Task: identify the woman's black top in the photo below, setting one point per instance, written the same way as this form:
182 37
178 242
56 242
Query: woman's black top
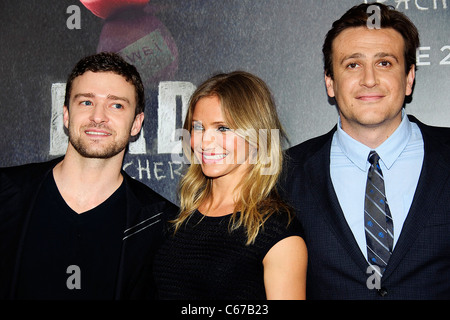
205 260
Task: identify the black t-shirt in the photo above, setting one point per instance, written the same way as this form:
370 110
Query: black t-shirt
204 260
68 255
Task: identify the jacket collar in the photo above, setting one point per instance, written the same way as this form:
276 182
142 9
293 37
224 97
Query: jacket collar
319 178
435 171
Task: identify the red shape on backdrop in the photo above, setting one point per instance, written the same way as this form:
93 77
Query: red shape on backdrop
134 32
105 9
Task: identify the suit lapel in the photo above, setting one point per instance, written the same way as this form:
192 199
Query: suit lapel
432 178
318 168
30 191
133 216
142 235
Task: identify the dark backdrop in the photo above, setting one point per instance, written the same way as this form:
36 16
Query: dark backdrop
176 44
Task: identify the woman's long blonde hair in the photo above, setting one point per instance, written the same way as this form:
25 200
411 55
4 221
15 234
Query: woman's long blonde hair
248 106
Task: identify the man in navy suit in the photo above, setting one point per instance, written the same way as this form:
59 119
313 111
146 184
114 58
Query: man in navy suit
369 71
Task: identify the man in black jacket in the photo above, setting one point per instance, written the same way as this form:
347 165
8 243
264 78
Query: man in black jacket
79 227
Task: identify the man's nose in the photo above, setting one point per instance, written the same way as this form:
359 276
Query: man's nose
99 114
369 77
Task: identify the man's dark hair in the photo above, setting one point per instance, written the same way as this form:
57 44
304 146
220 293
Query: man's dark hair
108 62
389 18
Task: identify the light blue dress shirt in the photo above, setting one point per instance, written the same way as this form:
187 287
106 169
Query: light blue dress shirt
401 158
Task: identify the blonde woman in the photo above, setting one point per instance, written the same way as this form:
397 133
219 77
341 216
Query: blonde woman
234 238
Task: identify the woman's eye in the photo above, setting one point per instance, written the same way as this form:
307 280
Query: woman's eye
223 129
197 126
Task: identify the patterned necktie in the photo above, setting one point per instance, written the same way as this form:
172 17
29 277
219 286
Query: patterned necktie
377 217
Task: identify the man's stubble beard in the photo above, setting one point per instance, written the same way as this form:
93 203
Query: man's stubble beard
88 149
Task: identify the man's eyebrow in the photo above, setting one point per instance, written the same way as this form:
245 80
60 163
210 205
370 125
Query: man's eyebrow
361 55
352 56
92 95
113 97
84 95
386 54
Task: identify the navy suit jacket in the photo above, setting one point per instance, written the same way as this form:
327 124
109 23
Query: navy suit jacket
419 267
145 218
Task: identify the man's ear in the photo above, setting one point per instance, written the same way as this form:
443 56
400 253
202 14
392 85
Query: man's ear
329 85
66 116
137 124
410 79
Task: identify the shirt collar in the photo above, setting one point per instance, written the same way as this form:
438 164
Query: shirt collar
388 151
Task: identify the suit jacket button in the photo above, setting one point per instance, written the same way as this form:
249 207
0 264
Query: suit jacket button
382 292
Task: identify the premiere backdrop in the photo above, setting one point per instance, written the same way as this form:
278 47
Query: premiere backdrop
177 44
